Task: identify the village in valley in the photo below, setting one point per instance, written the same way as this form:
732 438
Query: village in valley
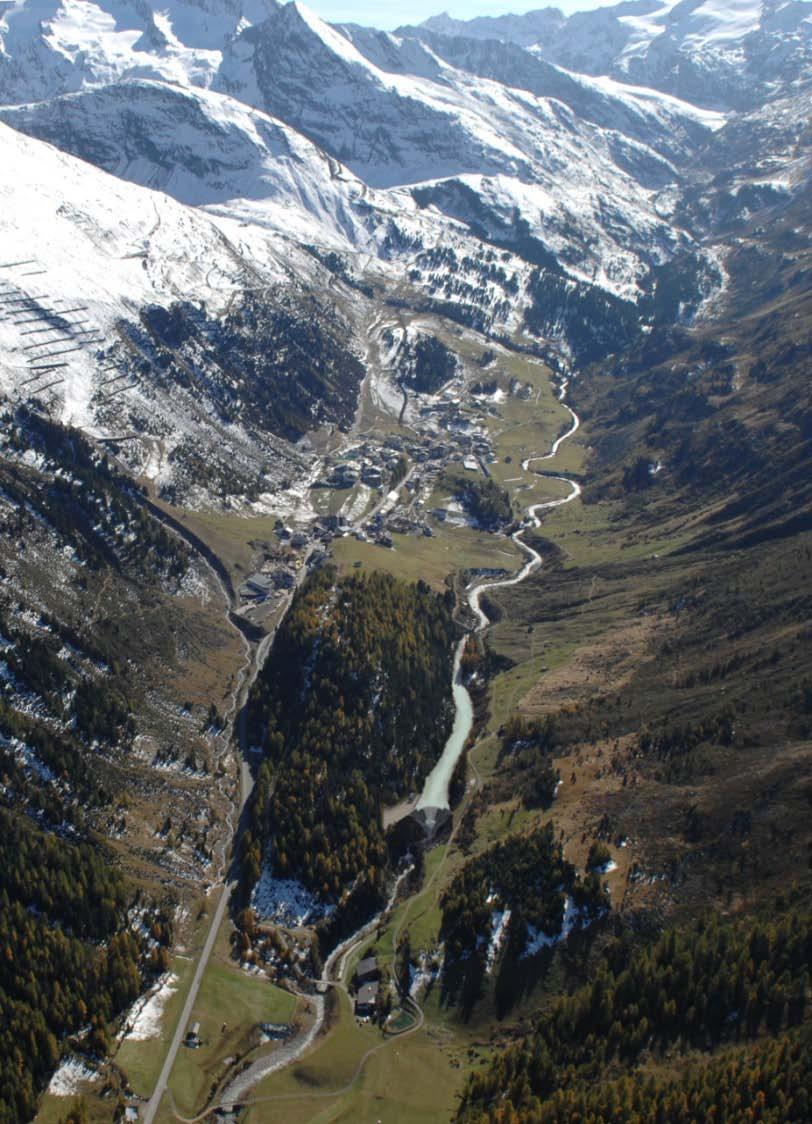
396 480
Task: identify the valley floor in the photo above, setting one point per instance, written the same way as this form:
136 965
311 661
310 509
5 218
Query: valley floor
594 626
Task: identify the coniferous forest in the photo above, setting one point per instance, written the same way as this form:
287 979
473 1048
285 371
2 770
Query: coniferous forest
720 987
69 961
527 878
352 711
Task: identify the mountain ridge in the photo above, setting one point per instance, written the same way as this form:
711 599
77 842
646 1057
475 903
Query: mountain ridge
721 55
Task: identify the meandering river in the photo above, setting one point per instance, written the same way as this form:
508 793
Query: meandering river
435 790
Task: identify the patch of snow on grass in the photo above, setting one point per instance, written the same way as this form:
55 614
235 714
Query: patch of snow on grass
355 506
500 920
144 1019
421 976
68 1080
387 397
537 939
31 762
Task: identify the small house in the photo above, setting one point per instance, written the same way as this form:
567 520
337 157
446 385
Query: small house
333 522
367 970
257 587
366 1000
283 579
372 476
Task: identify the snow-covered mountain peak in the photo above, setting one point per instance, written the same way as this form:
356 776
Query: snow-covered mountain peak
698 25
52 47
319 27
324 133
524 30
55 46
378 56
210 23
716 53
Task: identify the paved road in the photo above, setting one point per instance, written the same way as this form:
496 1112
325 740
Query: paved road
236 715
246 784
188 1006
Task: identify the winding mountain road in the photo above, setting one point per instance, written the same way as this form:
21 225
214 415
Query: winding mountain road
332 976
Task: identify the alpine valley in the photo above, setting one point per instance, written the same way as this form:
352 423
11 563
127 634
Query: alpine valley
405 564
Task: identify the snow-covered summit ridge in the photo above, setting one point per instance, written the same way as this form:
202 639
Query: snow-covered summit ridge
328 134
51 47
717 53
526 30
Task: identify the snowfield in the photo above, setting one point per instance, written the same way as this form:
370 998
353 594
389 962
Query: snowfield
255 169
210 153
286 901
82 250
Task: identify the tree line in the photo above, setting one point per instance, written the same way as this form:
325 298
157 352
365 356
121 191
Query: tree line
90 504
